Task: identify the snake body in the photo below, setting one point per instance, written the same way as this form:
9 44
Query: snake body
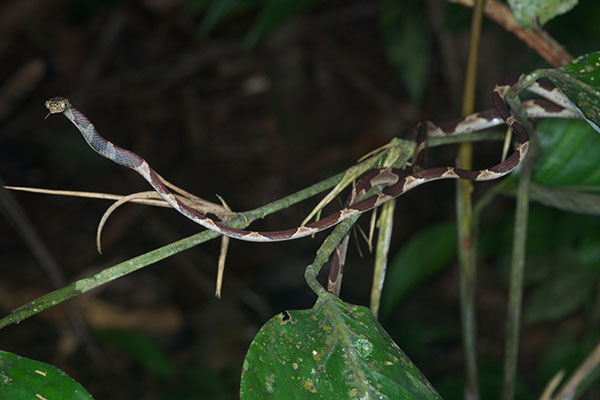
397 181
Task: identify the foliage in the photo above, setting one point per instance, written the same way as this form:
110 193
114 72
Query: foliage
337 348
535 13
334 349
23 379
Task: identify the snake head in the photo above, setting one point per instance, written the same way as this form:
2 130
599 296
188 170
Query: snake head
57 105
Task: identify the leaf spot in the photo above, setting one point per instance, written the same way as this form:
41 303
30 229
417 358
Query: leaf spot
363 347
285 318
270 383
308 385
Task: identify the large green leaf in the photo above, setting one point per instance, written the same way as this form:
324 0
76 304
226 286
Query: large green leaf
25 379
406 38
566 171
567 165
563 199
580 82
535 13
424 254
568 155
333 351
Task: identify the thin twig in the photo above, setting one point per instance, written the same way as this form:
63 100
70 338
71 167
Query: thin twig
108 275
222 255
112 208
543 44
157 201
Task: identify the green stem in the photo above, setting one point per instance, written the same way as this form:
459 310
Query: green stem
384 238
242 220
329 245
466 253
324 253
466 137
515 295
85 285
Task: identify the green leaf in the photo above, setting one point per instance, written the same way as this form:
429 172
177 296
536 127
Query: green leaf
333 351
566 171
141 348
273 13
568 155
560 295
423 255
406 37
25 379
535 13
563 199
580 82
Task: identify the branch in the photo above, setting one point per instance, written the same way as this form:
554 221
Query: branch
540 41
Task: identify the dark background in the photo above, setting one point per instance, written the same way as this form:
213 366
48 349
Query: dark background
252 123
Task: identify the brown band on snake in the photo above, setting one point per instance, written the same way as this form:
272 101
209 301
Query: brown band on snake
404 181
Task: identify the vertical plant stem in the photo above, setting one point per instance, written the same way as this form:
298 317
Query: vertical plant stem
385 225
324 252
515 294
464 218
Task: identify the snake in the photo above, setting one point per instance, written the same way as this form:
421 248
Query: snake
395 181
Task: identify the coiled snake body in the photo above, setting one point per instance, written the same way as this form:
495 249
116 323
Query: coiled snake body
398 181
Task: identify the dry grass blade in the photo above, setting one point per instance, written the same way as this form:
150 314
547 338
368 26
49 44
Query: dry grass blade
346 180
366 163
205 205
579 376
150 198
156 201
222 254
506 145
113 207
552 385
372 229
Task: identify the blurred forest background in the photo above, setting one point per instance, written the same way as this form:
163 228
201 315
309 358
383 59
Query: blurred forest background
255 102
